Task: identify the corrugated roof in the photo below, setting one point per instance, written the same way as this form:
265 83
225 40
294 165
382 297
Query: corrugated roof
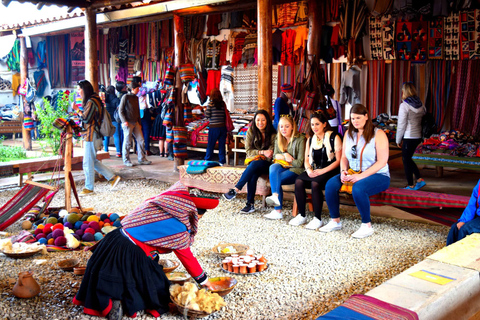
39 21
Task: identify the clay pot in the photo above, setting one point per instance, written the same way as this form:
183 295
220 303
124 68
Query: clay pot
26 286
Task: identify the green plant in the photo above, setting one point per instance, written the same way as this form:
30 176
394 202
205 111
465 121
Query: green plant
11 153
47 116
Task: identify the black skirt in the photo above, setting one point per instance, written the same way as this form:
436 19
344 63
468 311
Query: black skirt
120 270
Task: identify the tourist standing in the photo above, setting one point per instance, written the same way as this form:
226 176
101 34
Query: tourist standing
282 104
111 103
217 130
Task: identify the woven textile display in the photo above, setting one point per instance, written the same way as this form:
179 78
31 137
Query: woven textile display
468 35
375 30
419 41
452 32
388 38
404 40
246 87
435 39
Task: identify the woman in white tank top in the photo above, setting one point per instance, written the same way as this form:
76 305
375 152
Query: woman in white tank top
364 148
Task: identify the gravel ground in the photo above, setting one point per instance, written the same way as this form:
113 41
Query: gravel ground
310 272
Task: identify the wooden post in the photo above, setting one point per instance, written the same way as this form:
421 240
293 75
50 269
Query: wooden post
179 37
91 57
68 167
26 138
264 41
314 32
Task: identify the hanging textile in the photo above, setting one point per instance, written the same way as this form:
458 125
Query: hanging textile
58 59
452 37
41 54
248 51
301 36
302 12
466 98
375 31
246 87
237 51
435 39
376 91
226 86
401 70
468 35
336 70
288 42
13 58
40 82
440 92
353 15
388 38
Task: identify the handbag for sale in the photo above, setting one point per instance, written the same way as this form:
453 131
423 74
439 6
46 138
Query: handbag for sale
308 101
228 120
255 158
169 75
187 72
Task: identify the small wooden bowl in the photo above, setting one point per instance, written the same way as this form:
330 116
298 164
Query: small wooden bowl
68 264
178 277
170 269
79 270
239 248
189 312
223 285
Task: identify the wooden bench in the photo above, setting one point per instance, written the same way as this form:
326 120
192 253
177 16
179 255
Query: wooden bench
12 127
44 164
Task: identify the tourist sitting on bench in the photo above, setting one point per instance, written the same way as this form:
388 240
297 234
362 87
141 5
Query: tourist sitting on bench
363 170
469 222
259 148
288 156
322 160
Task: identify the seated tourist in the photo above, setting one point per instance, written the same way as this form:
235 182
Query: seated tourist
123 273
288 156
364 166
322 160
259 147
469 222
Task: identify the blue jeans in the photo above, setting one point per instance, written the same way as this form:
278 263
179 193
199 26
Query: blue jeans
146 127
117 138
135 129
279 176
214 135
91 164
250 177
472 226
361 192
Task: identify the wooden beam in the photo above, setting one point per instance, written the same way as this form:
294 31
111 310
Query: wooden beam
68 167
27 139
264 41
179 37
91 58
315 30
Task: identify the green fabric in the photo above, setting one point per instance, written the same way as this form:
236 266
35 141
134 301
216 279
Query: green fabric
248 142
296 148
13 58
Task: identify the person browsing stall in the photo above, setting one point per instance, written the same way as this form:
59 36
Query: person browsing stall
282 104
217 130
288 158
123 274
364 165
259 145
90 115
323 153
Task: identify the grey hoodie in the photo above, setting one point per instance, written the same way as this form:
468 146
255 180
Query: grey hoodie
410 119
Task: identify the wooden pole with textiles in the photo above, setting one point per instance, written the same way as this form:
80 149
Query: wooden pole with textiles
91 58
265 45
314 38
68 167
26 138
179 37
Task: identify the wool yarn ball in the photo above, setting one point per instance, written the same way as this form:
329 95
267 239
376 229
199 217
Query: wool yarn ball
88 237
76 236
40 236
117 224
90 230
61 220
47 229
40 226
107 224
94 225
50 236
100 224
37 231
27 225
68 225
60 241
38 222
73 218
78 224
42 241
58 226
48 225
107 221
74 210
51 241
51 220
98 236
103 216
57 233
79 232
84 227
114 216
93 218
62 213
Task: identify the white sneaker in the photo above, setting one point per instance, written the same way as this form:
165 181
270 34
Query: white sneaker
274 215
314 224
363 232
273 200
298 220
331 226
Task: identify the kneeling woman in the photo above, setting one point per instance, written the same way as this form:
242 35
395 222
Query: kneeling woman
289 152
123 272
259 147
364 165
322 161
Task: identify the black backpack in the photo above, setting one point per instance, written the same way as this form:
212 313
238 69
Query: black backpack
429 126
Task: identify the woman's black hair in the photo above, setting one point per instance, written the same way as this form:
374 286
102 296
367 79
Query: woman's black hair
110 90
320 115
88 91
201 211
258 142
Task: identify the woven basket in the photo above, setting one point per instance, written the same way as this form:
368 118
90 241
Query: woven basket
240 248
189 312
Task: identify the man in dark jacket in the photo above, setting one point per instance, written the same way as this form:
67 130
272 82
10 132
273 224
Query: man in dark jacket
129 113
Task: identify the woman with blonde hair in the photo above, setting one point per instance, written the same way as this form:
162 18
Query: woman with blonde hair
409 133
288 155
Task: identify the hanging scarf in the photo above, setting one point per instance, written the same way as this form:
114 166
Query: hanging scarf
13 58
167 221
41 54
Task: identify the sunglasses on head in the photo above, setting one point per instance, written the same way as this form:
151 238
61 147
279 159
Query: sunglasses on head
354 152
285 116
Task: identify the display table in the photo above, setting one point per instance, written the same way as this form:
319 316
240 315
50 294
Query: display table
238 141
442 160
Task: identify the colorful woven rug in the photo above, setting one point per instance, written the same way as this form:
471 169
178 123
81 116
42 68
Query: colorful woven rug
362 307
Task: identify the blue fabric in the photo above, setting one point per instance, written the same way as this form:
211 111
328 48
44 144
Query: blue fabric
196 169
280 107
343 313
214 135
361 192
118 136
208 164
473 207
92 164
250 177
279 176
146 127
156 230
472 226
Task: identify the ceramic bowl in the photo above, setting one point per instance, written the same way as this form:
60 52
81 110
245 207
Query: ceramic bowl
223 285
79 270
173 265
68 264
240 249
178 277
